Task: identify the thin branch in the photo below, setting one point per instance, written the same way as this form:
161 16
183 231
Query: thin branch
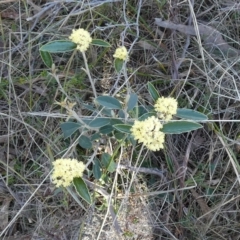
144 170
89 75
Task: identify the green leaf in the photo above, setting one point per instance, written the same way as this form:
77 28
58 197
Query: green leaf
100 43
95 136
97 173
139 111
121 114
178 127
153 92
47 58
105 159
107 112
69 128
115 121
82 189
85 142
88 106
190 114
109 128
119 135
118 64
86 121
59 46
109 102
108 162
132 102
125 128
146 116
106 129
99 122
132 140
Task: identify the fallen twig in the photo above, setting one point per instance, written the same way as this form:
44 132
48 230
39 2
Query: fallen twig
143 170
210 36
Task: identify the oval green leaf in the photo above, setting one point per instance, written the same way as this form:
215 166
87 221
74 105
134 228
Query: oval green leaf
69 128
85 142
132 140
121 114
88 106
99 122
82 189
86 121
119 135
118 64
190 114
132 102
125 128
178 127
116 121
109 102
108 162
107 112
95 136
47 58
153 91
105 159
100 43
139 111
97 173
106 129
59 46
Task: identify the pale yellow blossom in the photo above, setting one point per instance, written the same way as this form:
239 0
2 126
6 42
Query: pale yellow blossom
82 38
65 170
68 106
148 132
121 53
166 108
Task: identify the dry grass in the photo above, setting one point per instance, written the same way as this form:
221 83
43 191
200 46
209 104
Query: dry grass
198 195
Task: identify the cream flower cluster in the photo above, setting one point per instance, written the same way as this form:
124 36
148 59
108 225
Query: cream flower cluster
148 132
166 107
121 53
82 38
65 170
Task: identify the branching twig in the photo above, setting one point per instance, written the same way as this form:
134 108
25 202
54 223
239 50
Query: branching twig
211 37
40 13
143 170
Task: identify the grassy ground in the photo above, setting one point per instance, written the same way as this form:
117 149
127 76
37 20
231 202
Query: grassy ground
196 196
